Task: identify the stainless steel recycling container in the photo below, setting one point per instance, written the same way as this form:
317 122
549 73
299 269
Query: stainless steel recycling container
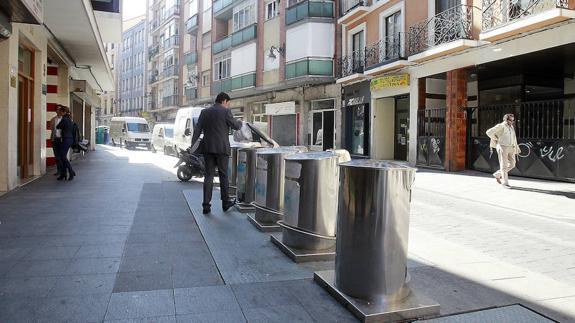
270 176
246 175
311 193
373 228
233 164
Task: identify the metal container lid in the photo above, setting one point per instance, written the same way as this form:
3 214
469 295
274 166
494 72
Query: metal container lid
278 150
319 155
377 164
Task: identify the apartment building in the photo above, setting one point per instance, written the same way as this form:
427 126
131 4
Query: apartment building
276 60
133 66
164 58
108 99
422 80
52 53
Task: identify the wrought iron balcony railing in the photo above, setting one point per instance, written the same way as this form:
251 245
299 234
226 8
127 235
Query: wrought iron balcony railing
348 5
497 13
450 25
308 9
192 23
353 63
386 50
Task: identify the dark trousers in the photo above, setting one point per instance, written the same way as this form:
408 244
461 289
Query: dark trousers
211 161
56 148
63 148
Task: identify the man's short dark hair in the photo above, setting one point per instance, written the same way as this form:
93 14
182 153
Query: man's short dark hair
222 97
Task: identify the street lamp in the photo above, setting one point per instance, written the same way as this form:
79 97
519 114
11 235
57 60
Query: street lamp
280 50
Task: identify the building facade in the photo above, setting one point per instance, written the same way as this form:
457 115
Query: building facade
52 53
108 99
441 72
132 83
164 58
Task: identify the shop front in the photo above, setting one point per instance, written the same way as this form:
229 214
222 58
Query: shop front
356 104
390 115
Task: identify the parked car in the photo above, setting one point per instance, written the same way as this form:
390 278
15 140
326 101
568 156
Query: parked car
130 132
186 119
163 138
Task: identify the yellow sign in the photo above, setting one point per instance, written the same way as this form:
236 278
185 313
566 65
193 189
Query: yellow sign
389 81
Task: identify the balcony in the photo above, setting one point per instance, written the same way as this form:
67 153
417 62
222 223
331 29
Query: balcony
385 55
237 38
448 32
154 77
153 51
172 12
169 101
235 83
350 68
502 19
171 42
223 9
192 24
190 58
309 67
169 71
223 85
352 9
191 93
309 9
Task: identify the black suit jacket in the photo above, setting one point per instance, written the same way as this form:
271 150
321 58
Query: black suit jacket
66 126
215 123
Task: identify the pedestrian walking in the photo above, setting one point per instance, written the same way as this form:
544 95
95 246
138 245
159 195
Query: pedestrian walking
55 138
504 140
215 123
67 128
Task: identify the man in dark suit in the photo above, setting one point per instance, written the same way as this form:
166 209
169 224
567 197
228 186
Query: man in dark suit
215 123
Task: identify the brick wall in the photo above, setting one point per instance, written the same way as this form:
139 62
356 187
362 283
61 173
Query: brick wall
455 121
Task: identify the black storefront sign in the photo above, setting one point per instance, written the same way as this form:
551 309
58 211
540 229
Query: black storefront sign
356 100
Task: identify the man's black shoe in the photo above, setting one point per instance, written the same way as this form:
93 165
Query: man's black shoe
206 210
226 205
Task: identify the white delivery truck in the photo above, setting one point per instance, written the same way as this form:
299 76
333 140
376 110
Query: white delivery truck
186 118
130 132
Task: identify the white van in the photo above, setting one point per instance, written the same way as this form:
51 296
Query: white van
130 132
186 118
163 138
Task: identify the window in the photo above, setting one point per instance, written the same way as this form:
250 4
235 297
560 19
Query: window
193 7
138 127
244 15
222 67
207 5
272 9
206 79
206 40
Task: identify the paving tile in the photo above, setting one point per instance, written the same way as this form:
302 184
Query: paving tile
145 263
94 266
79 308
19 309
101 251
143 281
213 317
205 299
26 287
36 268
156 319
141 304
51 253
257 295
83 285
279 314
196 277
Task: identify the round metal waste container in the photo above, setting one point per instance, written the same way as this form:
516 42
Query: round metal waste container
372 229
270 175
233 164
246 175
311 192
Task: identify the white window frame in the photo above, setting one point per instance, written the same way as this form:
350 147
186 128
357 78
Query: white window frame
351 32
275 9
382 23
225 62
249 7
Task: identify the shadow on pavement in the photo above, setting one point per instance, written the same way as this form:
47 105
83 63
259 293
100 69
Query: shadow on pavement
570 195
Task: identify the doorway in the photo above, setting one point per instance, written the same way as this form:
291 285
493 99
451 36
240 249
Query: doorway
401 128
322 136
25 160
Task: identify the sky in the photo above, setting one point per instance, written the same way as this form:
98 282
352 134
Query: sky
133 8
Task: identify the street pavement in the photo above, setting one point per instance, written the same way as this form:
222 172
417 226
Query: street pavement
125 242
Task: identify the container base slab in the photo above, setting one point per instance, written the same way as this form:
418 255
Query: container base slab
413 306
263 227
300 255
245 208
